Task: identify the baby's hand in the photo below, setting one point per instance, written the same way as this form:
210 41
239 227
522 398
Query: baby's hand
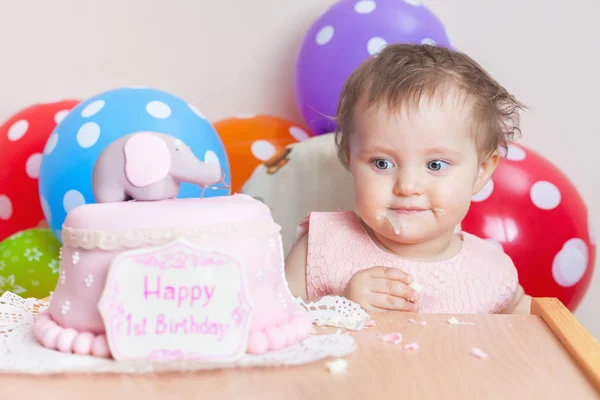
382 289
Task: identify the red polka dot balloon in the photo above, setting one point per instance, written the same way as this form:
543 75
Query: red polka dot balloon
22 141
533 211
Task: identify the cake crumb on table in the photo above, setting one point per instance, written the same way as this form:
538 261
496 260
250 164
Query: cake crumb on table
478 353
394 337
454 321
337 367
414 321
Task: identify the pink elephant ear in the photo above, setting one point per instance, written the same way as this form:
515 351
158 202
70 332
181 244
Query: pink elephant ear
147 159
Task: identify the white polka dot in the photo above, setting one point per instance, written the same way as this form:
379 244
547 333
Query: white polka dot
245 116
298 133
375 45
484 193
32 166
72 199
18 130
591 229
428 41
515 153
545 195
6 208
51 143
263 150
324 35
495 243
365 6
59 116
196 111
158 109
93 108
415 3
88 134
570 263
210 157
46 209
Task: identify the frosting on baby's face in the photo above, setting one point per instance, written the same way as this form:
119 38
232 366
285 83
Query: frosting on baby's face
415 171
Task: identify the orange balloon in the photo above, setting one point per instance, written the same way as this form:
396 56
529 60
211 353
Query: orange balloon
250 141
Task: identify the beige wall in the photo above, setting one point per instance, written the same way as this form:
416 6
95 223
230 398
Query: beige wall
228 62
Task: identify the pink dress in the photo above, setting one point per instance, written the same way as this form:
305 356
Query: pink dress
479 279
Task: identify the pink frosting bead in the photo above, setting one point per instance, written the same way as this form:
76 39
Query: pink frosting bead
50 336
276 338
46 328
100 346
289 331
65 340
257 343
83 343
40 325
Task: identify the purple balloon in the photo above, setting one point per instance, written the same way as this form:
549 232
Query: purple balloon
348 33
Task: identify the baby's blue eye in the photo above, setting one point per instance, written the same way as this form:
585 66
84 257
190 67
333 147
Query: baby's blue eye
437 165
382 164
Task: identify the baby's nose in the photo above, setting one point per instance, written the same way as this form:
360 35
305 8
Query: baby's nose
407 190
408 183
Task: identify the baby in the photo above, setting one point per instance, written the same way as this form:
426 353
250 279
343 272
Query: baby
421 129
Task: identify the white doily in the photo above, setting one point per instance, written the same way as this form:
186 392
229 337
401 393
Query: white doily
336 311
19 352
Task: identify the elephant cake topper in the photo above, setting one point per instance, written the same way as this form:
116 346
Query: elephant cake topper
149 166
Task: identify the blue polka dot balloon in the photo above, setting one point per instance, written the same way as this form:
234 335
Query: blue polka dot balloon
65 179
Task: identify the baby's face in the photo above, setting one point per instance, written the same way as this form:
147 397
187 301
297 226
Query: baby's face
415 171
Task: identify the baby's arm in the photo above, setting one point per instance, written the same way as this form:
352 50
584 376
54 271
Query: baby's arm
295 268
519 304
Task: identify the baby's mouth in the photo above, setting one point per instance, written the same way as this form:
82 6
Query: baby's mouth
407 210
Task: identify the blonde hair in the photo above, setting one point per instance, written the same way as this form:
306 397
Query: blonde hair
401 74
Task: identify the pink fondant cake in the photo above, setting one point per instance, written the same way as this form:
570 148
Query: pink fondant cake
237 227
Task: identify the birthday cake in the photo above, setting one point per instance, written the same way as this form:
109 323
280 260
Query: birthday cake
172 279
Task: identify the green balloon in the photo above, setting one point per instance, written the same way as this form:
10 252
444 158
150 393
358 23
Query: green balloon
29 263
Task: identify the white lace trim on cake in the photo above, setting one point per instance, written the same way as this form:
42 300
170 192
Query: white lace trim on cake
113 240
20 353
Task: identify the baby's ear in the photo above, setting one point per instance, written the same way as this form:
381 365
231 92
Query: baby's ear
487 166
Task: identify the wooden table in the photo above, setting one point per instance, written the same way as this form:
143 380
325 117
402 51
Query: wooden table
547 355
